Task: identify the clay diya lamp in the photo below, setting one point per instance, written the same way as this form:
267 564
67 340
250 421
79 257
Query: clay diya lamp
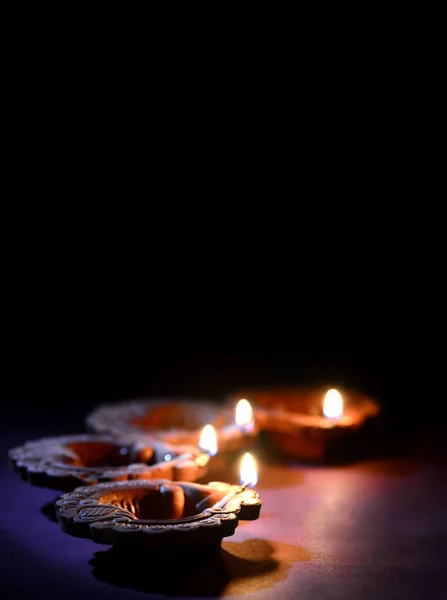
177 421
66 462
315 425
157 514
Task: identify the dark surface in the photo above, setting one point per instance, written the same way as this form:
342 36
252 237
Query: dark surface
373 530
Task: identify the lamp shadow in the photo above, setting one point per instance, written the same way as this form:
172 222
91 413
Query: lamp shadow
233 568
48 510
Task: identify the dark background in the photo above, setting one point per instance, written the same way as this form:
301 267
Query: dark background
56 386
342 306
190 302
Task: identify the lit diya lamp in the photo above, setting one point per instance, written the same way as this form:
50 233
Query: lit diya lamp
177 421
313 424
65 462
160 514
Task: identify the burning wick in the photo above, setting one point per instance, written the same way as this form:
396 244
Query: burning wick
333 405
207 447
248 477
208 440
244 416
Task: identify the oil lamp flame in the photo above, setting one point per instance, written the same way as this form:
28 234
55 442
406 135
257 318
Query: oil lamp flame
333 405
249 475
208 440
244 415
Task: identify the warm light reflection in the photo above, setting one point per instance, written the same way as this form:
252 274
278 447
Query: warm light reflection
208 440
249 474
333 404
244 415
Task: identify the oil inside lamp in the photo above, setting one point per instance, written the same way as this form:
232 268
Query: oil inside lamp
333 404
244 416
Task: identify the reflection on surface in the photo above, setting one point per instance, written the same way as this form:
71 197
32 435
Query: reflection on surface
398 467
235 568
273 476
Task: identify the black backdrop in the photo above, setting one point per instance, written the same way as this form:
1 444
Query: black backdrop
201 312
59 384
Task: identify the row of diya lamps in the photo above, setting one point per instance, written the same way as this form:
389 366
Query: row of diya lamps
135 480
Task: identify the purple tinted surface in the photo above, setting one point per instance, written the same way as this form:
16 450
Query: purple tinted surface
368 531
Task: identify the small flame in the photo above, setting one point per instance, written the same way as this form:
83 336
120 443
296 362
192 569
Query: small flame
208 440
244 415
249 474
333 404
